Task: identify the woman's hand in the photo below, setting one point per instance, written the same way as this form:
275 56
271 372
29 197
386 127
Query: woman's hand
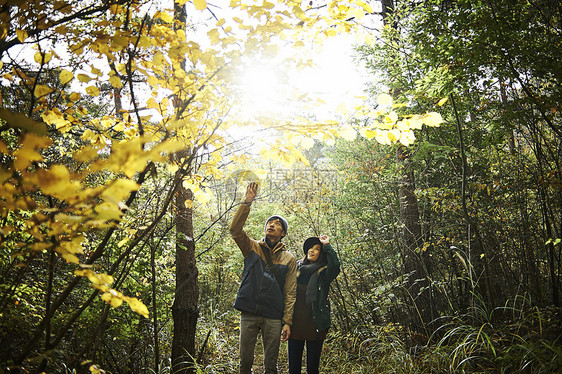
285 333
324 239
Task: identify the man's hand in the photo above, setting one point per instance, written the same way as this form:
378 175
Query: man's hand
285 333
251 192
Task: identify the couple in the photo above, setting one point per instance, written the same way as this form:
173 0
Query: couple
283 299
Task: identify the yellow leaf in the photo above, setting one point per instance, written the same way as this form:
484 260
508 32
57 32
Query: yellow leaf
307 143
95 370
158 58
416 122
56 181
70 258
65 76
119 42
4 24
164 16
432 119
115 81
68 219
297 11
55 117
38 247
86 154
108 212
96 279
382 137
402 125
4 175
84 78
21 121
112 300
368 8
75 96
214 36
384 100
118 190
368 133
356 13
442 101
348 133
25 156
203 196
137 306
42 57
41 90
115 9
391 118
123 241
271 49
181 34
22 35
407 137
200 4
92 91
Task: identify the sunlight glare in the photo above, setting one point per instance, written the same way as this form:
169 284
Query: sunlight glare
262 90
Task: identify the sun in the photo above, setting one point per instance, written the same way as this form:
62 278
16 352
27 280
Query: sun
320 83
263 90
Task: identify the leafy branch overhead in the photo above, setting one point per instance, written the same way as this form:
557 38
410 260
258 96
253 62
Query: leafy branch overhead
171 89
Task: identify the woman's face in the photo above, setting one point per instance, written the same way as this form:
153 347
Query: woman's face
313 253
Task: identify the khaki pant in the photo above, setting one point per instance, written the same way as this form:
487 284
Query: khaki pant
250 326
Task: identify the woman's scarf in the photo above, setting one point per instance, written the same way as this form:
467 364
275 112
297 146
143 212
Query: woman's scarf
309 276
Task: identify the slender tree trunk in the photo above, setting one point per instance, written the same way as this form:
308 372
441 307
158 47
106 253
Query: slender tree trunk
154 308
185 308
529 268
416 259
484 276
547 227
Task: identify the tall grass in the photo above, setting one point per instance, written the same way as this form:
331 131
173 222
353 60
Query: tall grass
516 338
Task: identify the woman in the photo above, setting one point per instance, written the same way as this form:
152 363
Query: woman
311 318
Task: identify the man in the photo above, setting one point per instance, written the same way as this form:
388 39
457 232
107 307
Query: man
268 288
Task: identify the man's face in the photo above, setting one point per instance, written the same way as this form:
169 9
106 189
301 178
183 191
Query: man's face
274 230
313 253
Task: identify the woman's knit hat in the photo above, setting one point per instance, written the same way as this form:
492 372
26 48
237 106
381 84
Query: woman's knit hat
311 242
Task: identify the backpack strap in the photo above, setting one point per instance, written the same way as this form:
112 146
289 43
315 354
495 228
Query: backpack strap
270 265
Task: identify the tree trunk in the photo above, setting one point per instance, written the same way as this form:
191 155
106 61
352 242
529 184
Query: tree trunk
154 307
529 269
416 259
184 309
483 276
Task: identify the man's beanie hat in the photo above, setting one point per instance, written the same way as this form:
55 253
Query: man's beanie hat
283 221
311 242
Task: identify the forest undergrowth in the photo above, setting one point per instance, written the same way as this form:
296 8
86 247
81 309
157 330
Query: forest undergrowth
504 340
